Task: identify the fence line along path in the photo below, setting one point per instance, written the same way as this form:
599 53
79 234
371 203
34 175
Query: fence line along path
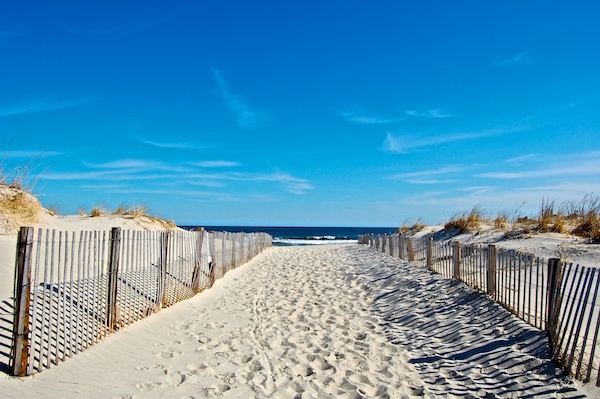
552 295
72 289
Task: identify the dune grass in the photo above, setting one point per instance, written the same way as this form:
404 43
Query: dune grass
466 222
17 206
580 218
417 226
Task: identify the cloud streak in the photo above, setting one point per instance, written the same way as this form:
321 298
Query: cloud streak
361 117
400 144
124 170
35 106
176 146
215 164
29 154
245 117
121 31
429 114
429 173
517 59
585 168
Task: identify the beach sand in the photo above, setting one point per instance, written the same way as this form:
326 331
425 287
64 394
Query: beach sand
339 321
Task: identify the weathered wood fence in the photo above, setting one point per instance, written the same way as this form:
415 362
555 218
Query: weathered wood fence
74 288
555 296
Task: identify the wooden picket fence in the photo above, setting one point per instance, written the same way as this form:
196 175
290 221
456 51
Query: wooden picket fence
555 296
72 289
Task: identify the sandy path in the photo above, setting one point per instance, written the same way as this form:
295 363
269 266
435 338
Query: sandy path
314 322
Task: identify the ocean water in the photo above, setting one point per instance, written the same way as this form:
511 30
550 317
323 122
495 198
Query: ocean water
306 235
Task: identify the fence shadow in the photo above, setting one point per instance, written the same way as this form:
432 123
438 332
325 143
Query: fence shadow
457 334
73 288
6 331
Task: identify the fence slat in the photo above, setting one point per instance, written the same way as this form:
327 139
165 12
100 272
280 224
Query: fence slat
113 269
20 347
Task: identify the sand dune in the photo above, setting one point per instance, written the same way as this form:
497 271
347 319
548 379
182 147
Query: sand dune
315 322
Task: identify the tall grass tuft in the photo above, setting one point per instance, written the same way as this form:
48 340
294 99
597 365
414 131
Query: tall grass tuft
466 222
587 215
18 206
97 211
134 211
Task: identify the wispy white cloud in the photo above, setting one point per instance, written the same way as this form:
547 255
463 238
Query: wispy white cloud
519 159
292 184
517 59
430 181
400 144
34 106
477 189
131 170
360 116
121 31
177 146
429 114
245 117
215 164
29 154
138 165
583 168
423 174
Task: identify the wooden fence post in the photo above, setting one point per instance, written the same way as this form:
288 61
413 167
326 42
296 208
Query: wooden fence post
162 269
430 253
456 258
197 261
401 247
491 270
212 265
20 344
113 273
411 251
553 298
243 248
234 257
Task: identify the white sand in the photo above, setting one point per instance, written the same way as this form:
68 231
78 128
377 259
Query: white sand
315 322
8 244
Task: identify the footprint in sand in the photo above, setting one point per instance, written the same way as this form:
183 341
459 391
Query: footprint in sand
151 368
147 386
167 354
220 388
302 370
200 369
175 378
240 359
180 327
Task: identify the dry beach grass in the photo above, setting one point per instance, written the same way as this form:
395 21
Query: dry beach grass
579 218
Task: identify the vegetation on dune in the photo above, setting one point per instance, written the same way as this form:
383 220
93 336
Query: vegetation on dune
138 211
417 226
466 222
18 207
580 218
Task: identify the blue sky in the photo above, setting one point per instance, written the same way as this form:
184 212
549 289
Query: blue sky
332 113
